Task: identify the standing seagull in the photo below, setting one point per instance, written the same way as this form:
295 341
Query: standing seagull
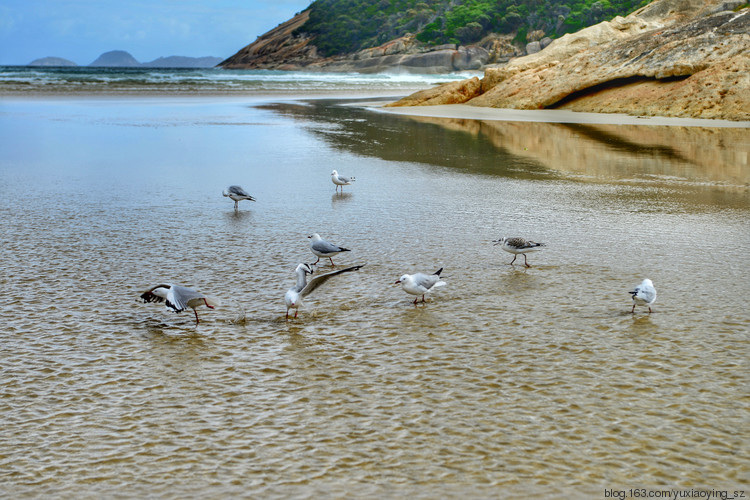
294 295
518 245
178 298
322 248
644 295
340 180
236 193
420 283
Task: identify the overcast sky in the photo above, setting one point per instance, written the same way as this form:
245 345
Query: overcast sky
81 30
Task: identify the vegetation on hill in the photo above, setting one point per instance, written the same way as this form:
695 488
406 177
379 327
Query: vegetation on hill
345 26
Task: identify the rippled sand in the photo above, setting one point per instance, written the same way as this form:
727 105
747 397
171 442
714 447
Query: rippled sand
507 382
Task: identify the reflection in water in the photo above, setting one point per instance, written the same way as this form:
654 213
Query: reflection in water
711 161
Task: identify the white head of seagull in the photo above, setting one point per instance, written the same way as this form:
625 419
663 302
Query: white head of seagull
293 297
644 295
420 283
178 298
321 248
340 180
237 194
518 246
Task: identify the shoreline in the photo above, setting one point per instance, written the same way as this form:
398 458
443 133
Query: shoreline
467 112
376 100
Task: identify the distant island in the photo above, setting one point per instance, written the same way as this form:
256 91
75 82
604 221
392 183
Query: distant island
52 61
123 59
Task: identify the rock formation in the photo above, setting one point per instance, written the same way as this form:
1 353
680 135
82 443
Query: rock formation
281 48
685 58
52 61
116 58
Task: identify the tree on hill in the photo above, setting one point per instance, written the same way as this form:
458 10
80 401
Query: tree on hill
345 26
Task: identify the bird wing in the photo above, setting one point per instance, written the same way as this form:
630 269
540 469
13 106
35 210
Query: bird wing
345 179
237 190
322 278
648 294
150 296
425 281
179 297
323 246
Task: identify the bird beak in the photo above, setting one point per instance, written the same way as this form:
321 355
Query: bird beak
496 242
396 283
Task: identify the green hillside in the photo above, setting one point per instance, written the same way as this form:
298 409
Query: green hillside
344 26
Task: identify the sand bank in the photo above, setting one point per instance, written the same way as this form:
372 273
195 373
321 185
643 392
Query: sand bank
464 111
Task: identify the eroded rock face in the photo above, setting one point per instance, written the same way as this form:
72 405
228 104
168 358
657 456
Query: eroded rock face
687 69
683 58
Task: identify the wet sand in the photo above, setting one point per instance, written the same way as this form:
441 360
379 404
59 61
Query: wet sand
465 111
509 381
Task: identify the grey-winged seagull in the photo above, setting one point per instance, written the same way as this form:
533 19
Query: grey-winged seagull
178 298
322 248
237 194
420 283
644 295
518 246
340 180
293 297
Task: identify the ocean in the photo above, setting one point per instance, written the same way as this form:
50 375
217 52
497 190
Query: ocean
23 79
509 381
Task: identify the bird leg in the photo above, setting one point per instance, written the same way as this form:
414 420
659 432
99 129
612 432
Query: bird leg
514 259
415 301
524 261
205 302
332 264
314 263
295 312
236 206
633 309
423 298
649 309
196 317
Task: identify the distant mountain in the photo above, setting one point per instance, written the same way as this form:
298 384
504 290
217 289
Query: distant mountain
52 61
122 59
116 58
183 62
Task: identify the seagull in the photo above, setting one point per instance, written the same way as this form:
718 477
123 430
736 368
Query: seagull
420 283
644 295
322 248
178 298
236 193
518 245
294 295
340 180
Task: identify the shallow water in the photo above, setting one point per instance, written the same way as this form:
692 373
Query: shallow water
509 381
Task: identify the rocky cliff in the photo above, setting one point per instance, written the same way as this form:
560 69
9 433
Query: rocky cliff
684 58
282 48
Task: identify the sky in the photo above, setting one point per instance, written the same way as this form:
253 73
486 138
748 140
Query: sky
82 30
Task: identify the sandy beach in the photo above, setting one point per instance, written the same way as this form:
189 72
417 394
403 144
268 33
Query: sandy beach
465 111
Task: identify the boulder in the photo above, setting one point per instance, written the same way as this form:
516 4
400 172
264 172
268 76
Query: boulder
448 93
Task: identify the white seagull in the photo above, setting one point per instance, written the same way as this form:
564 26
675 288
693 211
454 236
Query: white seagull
518 245
294 295
644 295
236 193
178 298
340 180
420 283
322 248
